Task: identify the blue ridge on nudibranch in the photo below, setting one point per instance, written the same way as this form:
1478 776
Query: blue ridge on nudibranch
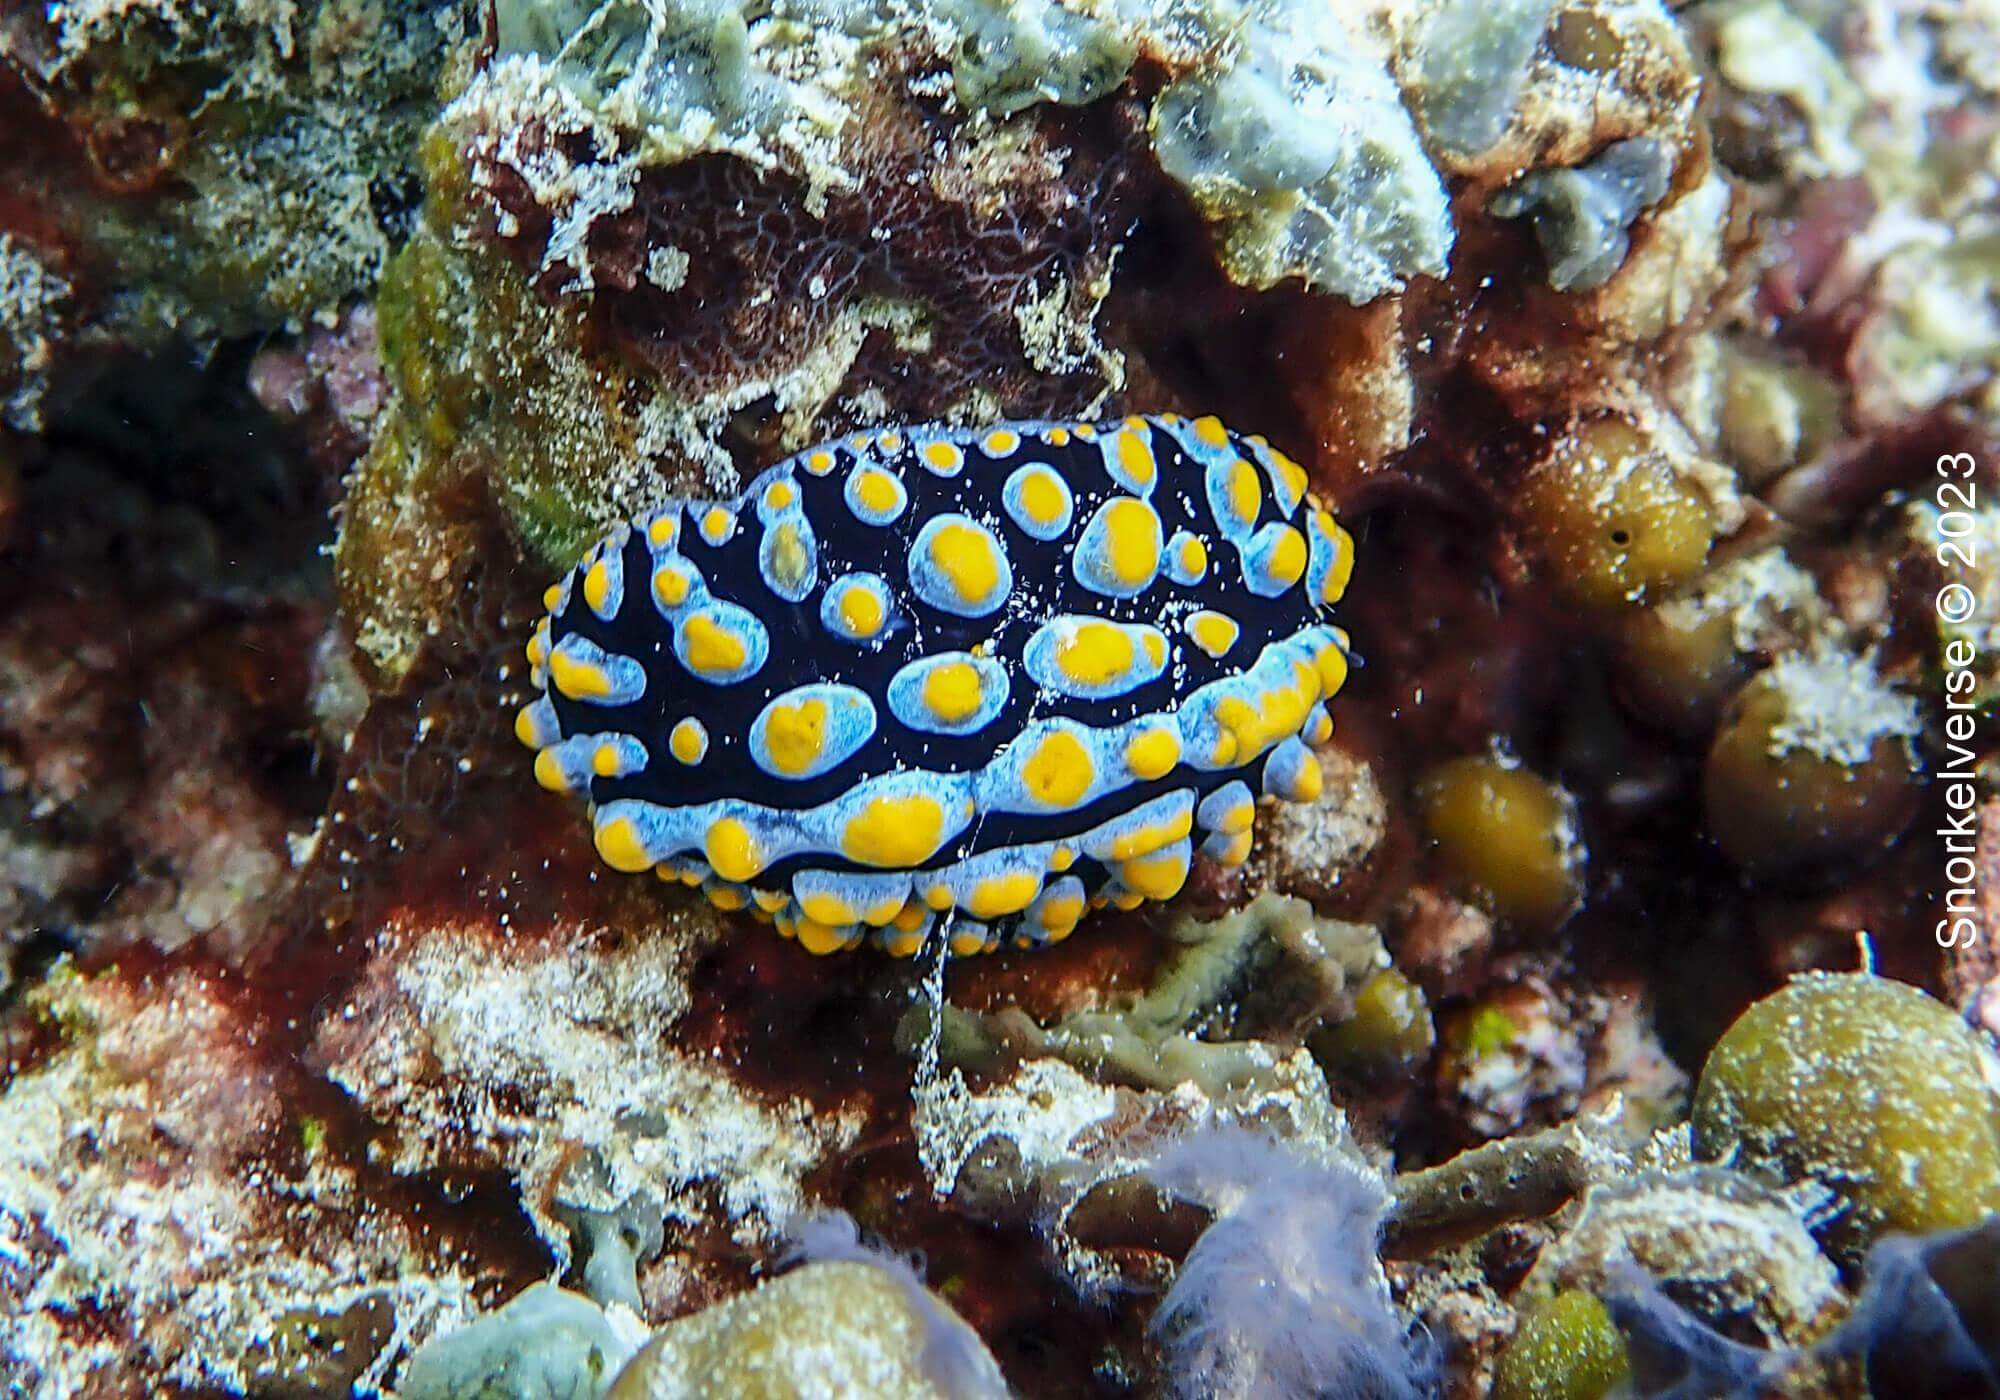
932 679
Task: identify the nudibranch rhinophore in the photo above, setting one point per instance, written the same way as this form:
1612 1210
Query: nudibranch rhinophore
992 676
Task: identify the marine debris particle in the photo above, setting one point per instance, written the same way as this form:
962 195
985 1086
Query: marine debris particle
1092 640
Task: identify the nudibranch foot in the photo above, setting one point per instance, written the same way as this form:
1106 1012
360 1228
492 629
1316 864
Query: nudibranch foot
975 682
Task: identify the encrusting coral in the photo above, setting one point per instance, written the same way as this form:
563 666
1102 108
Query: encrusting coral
1053 1124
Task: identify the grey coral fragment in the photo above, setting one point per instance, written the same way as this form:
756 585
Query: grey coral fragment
1583 216
545 1344
1010 57
1304 158
612 1243
1472 66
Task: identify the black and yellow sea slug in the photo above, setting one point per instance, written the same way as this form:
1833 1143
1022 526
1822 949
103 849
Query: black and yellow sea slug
991 677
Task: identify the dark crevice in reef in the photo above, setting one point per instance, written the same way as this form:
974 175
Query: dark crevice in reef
164 591
164 473
182 528
1196 340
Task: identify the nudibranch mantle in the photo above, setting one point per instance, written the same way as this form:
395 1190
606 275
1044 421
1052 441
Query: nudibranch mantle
989 676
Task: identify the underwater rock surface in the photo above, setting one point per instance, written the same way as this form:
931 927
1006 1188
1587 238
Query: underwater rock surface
1608 1007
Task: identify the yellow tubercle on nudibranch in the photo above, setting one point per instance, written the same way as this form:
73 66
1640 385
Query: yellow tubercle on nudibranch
962 684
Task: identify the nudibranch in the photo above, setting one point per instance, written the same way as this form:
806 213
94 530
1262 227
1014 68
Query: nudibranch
977 679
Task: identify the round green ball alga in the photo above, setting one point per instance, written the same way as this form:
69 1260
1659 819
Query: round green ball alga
1868 1087
1612 518
1812 767
1390 1030
1506 836
1566 1348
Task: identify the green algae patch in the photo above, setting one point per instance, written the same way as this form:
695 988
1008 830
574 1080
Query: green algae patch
1566 1349
274 145
1867 1087
497 392
495 370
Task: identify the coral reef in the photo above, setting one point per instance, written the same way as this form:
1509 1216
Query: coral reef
1916 1329
240 166
1719 1246
185 637
503 1058
157 1231
32 302
1610 1008
1064 1117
